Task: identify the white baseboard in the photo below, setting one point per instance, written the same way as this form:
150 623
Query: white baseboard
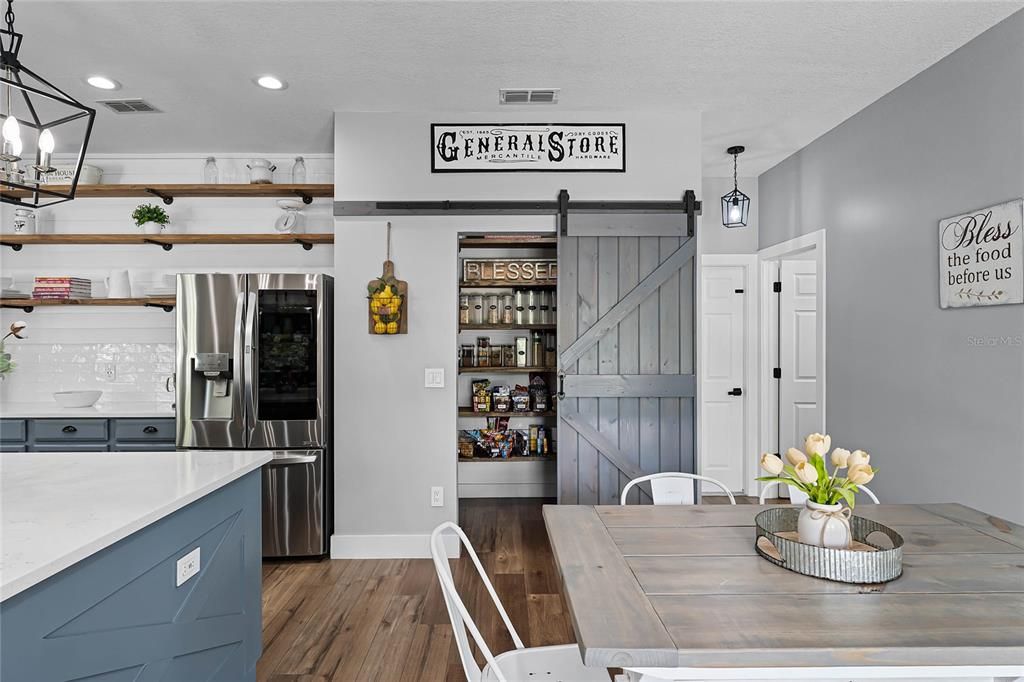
389 546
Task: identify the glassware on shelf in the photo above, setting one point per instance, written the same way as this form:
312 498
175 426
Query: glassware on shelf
464 309
476 309
508 309
520 307
493 313
210 176
299 171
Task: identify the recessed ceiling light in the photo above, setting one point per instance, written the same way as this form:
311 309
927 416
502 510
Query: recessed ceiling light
271 83
103 83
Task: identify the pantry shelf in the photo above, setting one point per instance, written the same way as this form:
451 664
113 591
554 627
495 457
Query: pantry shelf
468 412
167 241
507 285
526 241
503 327
505 370
168 192
27 304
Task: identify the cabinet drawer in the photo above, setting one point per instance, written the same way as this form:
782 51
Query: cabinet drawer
144 430
12 447
143 447
12 430
69 429
70 447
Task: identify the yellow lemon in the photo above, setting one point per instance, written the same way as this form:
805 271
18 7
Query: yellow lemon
374 305
392 327
379 328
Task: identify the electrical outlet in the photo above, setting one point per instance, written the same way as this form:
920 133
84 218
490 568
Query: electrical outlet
109 371
433 377
437 496
188 566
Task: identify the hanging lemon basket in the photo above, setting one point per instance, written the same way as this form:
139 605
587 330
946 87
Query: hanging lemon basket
386 298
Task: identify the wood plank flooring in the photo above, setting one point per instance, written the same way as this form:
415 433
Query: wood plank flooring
355 620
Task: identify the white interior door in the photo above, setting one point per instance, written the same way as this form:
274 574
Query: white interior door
724 397
799 412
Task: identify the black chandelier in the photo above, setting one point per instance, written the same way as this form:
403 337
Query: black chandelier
35 115
735 204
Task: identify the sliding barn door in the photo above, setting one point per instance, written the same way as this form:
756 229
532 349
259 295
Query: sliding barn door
626 352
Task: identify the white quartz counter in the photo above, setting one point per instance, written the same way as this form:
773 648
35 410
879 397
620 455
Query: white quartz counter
59 508
18 410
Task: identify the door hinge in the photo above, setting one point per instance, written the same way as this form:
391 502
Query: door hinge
777 287
777 373
739 291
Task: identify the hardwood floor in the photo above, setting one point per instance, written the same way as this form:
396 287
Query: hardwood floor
386 620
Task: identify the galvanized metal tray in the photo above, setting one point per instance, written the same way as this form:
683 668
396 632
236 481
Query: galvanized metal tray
870 563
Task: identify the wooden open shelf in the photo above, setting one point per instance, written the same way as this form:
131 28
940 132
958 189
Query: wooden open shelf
167 241
172 191
468 412
505 370
506 285
27 304
503 327
507 241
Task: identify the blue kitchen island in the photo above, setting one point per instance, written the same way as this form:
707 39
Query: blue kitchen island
128 566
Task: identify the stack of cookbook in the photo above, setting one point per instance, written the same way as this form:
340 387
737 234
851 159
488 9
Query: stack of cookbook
62 288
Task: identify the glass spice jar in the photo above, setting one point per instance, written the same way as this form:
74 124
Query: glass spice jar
508 355
508 309
520 307
476 309
483 351
464 309
493 314
496 356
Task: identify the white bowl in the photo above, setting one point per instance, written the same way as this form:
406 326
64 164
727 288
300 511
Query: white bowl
77 398
290 204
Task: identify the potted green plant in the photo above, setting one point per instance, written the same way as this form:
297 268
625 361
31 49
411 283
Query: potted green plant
6 364
151 218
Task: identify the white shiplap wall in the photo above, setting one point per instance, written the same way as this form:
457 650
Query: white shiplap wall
69 347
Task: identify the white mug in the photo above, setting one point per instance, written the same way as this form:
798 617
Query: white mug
24 221
119 284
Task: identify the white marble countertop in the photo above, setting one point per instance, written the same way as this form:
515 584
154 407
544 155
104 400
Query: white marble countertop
59 508
46 410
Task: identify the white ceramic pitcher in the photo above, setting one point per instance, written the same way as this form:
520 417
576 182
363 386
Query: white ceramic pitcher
119 284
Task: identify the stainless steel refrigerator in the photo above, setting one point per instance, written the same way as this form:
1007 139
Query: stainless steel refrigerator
254 372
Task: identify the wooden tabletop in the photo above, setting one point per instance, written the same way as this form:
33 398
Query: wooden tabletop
675 586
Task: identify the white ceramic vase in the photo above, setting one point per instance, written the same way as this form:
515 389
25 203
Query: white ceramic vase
152 228
824 525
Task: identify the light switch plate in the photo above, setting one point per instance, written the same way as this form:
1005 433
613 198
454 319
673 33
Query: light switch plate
187 566
433 377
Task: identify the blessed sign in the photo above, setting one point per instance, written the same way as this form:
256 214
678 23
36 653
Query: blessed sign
981 257
518 147
509 271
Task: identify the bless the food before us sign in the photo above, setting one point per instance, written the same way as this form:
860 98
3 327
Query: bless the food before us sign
981 257
528 147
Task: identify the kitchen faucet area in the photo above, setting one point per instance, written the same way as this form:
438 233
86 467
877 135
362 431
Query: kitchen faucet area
434 341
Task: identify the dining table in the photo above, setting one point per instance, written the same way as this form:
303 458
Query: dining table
680 593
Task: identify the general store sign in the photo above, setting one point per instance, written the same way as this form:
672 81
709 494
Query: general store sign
981 257
509 271
528 147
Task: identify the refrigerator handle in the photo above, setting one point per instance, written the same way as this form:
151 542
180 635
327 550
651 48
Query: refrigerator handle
249 362
238 371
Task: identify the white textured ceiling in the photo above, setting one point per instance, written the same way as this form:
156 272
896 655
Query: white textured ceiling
770 75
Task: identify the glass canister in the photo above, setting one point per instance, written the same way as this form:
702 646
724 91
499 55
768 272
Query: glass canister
550 350
467 357
464 309
544 307
496 355
476 309
483 351
520 307
508 309
493 313
532 307
508 355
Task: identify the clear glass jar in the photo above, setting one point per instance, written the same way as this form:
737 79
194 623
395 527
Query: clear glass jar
520 307
464 309
210 175
532 307
476 309
508 309
299 171
493 314
483 351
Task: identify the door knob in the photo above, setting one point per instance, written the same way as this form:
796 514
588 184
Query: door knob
736 391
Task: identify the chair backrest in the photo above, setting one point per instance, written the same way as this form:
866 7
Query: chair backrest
462 622
673 487
799 496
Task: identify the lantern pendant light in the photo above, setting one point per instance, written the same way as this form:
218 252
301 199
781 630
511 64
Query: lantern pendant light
735 204
34 116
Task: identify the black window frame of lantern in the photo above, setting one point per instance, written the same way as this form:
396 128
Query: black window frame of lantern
744 204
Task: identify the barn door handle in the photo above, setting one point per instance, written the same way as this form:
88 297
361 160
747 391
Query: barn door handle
736 391
561 387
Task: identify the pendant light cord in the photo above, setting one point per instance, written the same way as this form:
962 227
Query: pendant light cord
9 18
389 241
735 181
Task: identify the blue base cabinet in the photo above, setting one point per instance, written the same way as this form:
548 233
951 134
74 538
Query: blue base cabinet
87 434
118 615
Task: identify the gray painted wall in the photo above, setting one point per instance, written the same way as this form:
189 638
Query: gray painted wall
942 415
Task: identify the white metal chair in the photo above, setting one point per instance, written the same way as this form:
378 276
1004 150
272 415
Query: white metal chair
561 663
799 496
673 487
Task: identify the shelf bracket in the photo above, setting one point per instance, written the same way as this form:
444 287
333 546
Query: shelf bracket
306 197
167 199
163 306
305 244
16 247
163 245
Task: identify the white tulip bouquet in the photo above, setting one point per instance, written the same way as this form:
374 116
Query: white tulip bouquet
806 470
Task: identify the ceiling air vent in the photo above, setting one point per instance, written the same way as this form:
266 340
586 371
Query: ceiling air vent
528 96
129 106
